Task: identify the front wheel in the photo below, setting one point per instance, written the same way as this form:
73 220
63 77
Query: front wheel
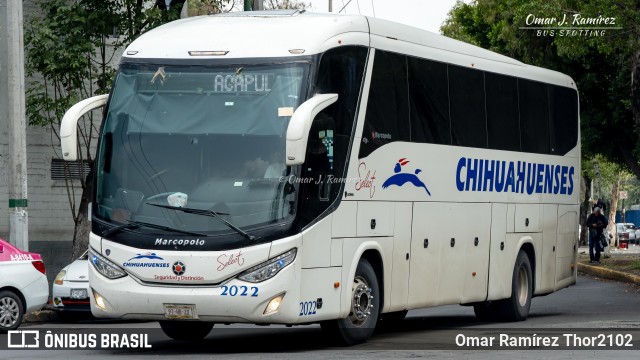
186 330
11 311
516 308
364 312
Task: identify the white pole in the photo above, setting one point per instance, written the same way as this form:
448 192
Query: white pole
18 216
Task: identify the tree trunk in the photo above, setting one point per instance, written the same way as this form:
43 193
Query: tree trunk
83 226
635 110
585 210
611 228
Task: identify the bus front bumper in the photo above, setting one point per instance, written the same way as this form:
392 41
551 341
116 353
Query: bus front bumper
232 302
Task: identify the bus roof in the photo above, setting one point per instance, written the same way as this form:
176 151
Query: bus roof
290 33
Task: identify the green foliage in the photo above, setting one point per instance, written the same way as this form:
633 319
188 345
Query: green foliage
205 7
68 55
285 4
602 66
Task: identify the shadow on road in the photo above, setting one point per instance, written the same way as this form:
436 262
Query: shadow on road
230 340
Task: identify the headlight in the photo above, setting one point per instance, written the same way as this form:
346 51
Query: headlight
60 277
105 267
268 269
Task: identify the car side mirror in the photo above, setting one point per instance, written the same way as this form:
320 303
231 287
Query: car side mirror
300 125
68 128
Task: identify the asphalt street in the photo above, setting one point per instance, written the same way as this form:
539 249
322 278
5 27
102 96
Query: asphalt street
592 304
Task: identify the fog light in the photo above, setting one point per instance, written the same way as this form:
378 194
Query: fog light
100 301
273 305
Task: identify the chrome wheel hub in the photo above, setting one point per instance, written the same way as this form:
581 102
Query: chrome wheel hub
362 301
523 288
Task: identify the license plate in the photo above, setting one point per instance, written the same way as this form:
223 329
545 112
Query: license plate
79 294
172 311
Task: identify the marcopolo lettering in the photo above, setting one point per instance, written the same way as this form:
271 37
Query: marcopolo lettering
514 176
179 242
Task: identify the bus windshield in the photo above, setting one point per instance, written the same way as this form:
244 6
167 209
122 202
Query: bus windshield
200 137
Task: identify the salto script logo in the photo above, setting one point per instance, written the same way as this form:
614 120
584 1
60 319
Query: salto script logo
227 260
21 339
366 179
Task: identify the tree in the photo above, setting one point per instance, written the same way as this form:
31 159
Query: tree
285 4
605 68
71 47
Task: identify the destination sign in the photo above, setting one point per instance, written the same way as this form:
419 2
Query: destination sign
245 83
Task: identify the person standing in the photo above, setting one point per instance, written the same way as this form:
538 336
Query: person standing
596 222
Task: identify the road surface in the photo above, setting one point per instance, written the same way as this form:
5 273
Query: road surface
591 304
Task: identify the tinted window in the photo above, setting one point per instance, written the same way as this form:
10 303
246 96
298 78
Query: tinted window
563 103
503 123
534 117
429 102
468 120
387 117
340 72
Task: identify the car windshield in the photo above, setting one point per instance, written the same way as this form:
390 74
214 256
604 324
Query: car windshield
202 137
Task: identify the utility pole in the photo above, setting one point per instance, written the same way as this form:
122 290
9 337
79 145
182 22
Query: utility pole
18 216
258 5
330 5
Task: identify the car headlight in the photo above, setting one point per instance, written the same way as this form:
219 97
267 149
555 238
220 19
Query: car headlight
268 269
105 267
60 277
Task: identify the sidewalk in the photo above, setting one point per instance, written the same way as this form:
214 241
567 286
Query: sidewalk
605 272
632 250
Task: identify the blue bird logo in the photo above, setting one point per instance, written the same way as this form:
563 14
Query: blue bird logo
148 255
400 178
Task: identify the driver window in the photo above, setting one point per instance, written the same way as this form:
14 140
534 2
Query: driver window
341 71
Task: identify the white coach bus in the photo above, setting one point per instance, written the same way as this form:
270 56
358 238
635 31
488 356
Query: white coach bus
294 168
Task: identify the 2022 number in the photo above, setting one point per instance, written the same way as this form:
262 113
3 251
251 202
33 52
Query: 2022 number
308 308
239 291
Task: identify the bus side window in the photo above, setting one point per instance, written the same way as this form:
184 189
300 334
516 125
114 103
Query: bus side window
387 118
534 116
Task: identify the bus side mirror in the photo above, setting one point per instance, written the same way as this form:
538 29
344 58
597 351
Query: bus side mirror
68 128
300 125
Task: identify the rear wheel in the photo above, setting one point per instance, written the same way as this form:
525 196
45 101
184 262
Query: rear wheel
186 330
11 311
365 308
516 308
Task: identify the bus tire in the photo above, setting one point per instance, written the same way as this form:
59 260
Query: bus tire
516 308
11 311
186 330
485 311
359 325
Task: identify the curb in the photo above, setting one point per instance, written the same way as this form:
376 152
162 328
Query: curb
605 273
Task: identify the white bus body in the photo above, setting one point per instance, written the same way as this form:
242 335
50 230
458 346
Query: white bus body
444 207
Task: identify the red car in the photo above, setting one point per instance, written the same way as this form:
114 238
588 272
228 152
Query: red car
23 285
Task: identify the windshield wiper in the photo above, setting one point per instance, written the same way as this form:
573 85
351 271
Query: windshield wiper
210 213
137 224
